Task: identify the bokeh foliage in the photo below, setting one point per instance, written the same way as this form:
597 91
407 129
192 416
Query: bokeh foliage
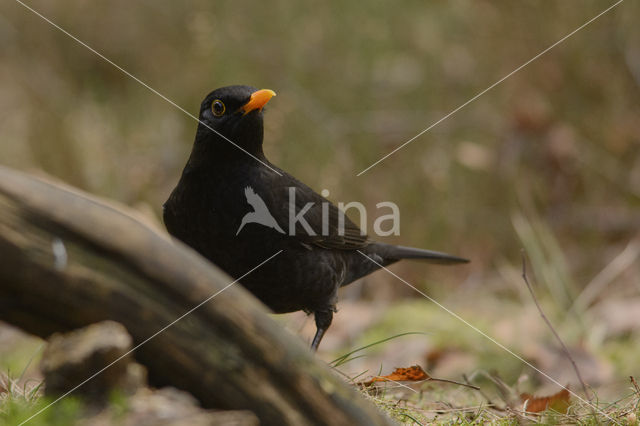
560 138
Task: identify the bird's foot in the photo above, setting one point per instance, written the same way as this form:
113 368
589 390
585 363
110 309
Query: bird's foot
323 321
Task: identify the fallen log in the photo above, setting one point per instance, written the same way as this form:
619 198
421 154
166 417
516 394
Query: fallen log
69 259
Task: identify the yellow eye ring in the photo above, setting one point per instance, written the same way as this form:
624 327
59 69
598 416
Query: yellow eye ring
217 107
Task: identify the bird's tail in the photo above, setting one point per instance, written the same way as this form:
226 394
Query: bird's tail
400 252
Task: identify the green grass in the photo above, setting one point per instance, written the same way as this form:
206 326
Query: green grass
430 402
14 411
546 161
23 401
19 400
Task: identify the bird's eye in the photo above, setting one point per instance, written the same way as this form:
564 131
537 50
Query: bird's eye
217 107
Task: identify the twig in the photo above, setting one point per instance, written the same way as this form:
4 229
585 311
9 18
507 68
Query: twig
553 330
484 395
453 382
430 379
635 384
616 267
504 391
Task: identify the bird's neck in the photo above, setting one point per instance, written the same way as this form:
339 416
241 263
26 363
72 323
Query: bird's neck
211 150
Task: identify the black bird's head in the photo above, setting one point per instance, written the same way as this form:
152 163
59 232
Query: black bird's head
230 115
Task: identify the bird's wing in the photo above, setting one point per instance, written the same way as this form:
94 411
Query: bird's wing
346 237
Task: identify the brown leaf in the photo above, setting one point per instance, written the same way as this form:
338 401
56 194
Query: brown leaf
413 374
558 402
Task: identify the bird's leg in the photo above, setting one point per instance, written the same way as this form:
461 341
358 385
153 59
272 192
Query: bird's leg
323 321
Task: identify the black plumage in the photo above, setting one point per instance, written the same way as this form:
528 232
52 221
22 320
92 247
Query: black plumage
214 209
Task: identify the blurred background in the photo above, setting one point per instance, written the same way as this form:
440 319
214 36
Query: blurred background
548 161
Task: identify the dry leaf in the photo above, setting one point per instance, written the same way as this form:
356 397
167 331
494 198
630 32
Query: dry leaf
413 374
558 402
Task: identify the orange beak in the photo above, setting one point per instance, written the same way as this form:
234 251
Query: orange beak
258 100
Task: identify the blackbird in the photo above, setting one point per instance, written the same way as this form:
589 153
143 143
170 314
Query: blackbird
237 209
